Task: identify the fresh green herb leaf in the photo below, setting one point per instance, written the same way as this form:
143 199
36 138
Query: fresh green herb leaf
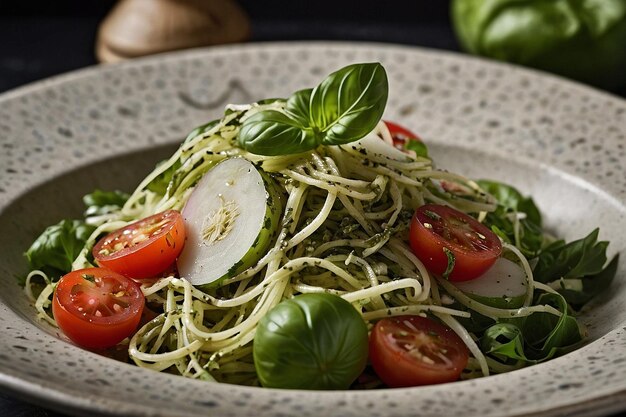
271 132
89 277
417 146
505 342
576 259
349 103
591 285
345 107
103 202
451 262
515 212
535 338
101 198
311 341
162 181
579 39
298 107
201 129
583 260
547 334
58 246
512 200
432 215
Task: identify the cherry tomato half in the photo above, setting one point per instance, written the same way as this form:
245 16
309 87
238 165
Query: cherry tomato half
401 135
145 248
443 238
406 351
96 307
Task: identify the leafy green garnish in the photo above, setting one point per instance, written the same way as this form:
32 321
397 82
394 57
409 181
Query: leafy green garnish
56 248
102 202
502 221
535 338
577 270
592 285
576 259
451 262
417 146
160 183
201 129
583 260
345 107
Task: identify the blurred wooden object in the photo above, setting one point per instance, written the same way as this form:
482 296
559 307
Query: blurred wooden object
143 27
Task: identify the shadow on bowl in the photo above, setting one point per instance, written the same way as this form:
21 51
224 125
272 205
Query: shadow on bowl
57 199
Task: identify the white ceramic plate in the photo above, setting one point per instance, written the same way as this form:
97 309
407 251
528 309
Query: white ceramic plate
105 127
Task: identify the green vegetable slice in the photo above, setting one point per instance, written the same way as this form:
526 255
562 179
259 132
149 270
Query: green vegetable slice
230 219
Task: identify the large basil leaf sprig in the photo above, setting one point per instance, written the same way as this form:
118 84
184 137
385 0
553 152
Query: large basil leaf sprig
345 107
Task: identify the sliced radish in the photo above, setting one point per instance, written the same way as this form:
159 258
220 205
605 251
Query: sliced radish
373 145
504 285
230 219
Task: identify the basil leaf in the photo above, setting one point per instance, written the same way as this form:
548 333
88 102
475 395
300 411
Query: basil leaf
297 106
349 103
592 285
535 338
548 334
102 202
582 260
501 221
57 247
417 146
576 259
476 323
311 341
511 199
201 129
271 132
451 262
505 342
160 183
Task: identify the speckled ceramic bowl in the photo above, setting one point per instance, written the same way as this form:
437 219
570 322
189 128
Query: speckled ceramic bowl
106 127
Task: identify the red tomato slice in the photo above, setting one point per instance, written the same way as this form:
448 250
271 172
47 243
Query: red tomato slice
406 351
96 307
401 136
443 238
145 248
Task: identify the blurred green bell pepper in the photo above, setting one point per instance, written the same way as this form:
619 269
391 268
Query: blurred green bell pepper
581 39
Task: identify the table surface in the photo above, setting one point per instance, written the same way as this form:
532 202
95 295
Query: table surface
38 46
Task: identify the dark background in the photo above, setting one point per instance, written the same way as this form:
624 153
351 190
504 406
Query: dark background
43 38
40 38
